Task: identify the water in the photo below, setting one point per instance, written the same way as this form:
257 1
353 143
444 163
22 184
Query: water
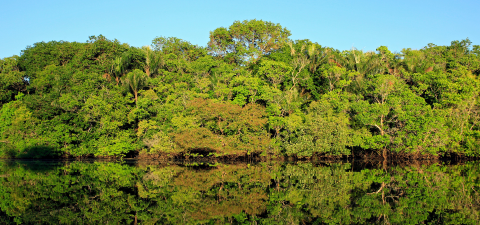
138 192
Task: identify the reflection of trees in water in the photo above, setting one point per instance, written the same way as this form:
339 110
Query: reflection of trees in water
267 193
416 194
217 193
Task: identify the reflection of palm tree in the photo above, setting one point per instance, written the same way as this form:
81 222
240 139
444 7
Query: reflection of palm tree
135 80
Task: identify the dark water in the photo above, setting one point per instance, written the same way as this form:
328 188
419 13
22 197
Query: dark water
129 192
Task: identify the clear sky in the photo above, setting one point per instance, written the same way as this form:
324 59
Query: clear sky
334 23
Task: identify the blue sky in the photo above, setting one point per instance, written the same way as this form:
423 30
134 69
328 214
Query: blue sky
339 24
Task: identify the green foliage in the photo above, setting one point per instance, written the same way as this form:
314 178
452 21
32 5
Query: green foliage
249 40
222 128
18 134
11 79
135 81
325 130
275 72
178 47
251 91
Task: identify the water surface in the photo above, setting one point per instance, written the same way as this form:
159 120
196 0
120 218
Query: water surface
137 192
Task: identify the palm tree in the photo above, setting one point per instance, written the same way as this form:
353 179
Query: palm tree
120 65
317 55
148 59
362 62
117 68
135 81
153 60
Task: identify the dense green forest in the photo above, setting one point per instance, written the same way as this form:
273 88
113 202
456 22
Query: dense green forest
264 193
251 92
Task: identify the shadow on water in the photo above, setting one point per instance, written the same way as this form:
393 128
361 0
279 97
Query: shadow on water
32 152
37 165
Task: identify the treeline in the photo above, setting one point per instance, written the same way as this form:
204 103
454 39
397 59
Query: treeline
251 92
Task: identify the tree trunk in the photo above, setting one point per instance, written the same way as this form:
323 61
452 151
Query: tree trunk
147 71
385 164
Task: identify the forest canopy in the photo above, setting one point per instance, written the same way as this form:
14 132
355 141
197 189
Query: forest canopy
252 91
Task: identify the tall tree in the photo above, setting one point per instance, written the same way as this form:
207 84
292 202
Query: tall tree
248 40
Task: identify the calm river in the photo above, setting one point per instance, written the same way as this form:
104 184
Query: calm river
139 192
